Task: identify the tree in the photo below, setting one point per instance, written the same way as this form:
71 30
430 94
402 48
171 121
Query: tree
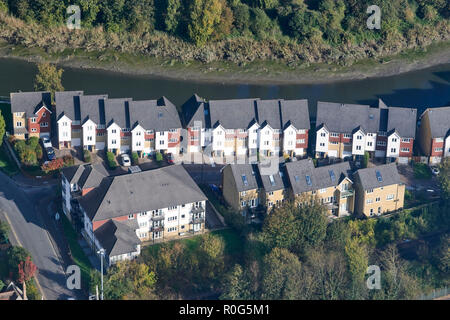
358 261
444 179
48 78
260 22
204 16
235 285
15 255
2 128
366 159
4 231
172 15
27 270
279 228
338 233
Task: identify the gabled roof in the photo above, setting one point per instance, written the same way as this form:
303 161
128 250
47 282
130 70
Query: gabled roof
118 237
117 111
319 178
233 114
402 120
86 176
194 110
439 121
158 115
273 181
245 176
73 173
30 102
344 118
68 104
269 112
296 113
93 108
143 191
369 180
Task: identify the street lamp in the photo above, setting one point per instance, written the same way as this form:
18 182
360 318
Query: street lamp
102 254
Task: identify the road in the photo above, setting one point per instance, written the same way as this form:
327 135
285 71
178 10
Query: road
17 205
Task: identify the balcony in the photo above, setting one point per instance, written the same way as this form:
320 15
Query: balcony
197 210
157 228
347 193
197 220
158 218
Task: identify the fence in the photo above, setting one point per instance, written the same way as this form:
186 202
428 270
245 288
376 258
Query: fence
436 293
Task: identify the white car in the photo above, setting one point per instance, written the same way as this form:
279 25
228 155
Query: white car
435 170
46 143
126 161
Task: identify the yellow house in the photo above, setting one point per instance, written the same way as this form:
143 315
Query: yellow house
330 185
274 186
379 190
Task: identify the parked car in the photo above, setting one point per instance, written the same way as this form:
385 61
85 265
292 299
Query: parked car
435 170
50 153
126 161
170 158
46 142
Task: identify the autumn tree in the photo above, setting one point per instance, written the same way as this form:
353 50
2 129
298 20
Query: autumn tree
15 255
204 16
236 285
48 78
26 270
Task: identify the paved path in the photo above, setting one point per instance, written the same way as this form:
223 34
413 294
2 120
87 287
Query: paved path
30 231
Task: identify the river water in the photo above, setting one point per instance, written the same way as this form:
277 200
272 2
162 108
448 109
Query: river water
421 89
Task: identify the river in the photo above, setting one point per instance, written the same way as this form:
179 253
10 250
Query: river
420 89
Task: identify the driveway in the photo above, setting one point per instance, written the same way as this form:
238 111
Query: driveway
407 176
17 206
205 173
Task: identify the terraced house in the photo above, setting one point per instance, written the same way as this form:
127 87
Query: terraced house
31 114
330 185
434 134
124 211
247 126
350 130
379 190
274 186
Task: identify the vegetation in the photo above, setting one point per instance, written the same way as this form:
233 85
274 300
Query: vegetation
2 128
6 164
52 166
48 78
4 232
295 32
134 158
29 151
421 171
444 179
110 160
158 157
86 156
366 159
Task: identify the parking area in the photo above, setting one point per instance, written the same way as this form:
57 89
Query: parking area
407 176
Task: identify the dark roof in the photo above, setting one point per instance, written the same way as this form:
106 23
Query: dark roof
158 115
143 191
320 177
232 114
93 108
247 172
368 176
117 111
118 237
272 181
68 104
269 112
30 102
86 176
73 173
402 120
344 118
439 121
194 110
295 112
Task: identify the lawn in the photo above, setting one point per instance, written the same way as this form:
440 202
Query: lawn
6 165
422 171
78 255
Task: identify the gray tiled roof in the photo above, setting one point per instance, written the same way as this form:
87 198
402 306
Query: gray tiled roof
279 181
86 176
93 107
117 111
439 121
320 176
402 120
194 110
344 118
118 237
30 102
148 190
68 104
232 114
368 176
73 173
295 112
250 172
269 112
158 115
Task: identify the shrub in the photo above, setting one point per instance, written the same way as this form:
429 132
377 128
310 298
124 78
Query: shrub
68 161
39 153
134 158
366 159
110 160
86 156
159 157
53 165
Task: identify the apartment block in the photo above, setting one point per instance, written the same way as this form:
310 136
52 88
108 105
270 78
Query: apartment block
124 211
31 114
434 134
350 130
379 190
247 126
331 185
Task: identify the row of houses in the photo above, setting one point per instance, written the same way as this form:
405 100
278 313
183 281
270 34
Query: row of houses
119 213
231 127
341 189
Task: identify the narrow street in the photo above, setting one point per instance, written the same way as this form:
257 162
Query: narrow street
29 230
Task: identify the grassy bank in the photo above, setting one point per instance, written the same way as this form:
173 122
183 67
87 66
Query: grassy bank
6 165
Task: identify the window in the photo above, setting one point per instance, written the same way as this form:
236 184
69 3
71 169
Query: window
393 150
301 141
381 143
406 140
369 144
272 180
323 134
371 212
369 191
171 229
19 124
382 133
161 142
138 133
172 208
308 180
405 149
334 142
271 193
34 130
394 140
89 138
369 201
243 203
358 137
113 141
244 180
113 131
130 216
347 136
390 197
172 218
377 199
44 124
379 177
438 149
358 147
379 210
439 140
334 135
323 190
322 144
138 144
33 120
